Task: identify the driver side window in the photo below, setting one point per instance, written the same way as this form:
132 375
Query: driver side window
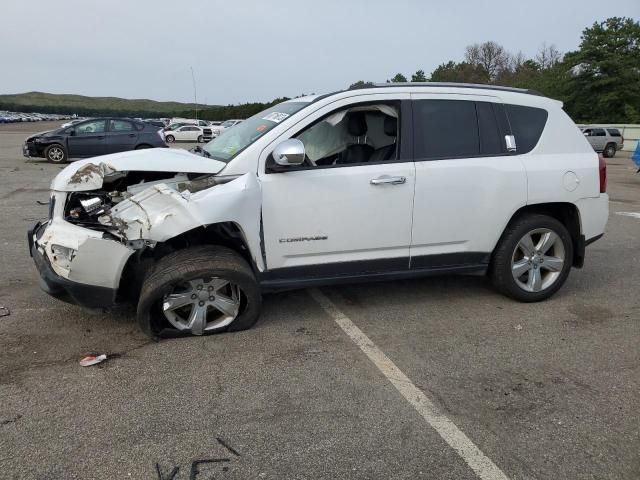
360 134
91 127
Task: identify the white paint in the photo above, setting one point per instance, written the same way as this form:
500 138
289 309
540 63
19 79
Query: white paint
629 214
450 433
361 221
160 213
147 160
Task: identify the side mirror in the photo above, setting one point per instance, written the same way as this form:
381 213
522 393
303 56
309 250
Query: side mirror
289 153
71 132
586 134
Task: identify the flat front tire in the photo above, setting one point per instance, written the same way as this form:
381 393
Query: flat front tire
533 258
199 291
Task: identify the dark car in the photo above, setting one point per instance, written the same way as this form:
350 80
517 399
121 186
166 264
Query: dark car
89 138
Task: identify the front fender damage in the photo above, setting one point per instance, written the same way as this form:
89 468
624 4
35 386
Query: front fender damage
160 213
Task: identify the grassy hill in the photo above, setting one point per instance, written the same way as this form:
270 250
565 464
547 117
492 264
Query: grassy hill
82 105
122 107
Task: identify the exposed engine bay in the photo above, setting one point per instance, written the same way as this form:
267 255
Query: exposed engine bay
95 209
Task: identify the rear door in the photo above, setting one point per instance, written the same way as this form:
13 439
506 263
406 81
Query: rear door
121 136
467 185
88 139
598 138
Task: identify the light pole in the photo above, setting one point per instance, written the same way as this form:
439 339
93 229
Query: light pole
195 94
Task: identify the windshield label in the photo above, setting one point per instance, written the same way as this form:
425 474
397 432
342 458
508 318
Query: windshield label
276 117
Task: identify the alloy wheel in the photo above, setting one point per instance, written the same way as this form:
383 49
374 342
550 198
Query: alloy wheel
56 154
202 305
538 259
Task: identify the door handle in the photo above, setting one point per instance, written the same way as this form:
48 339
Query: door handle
100 138
132 135
386 179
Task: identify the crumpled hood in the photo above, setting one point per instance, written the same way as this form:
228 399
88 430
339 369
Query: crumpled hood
85 175
46 133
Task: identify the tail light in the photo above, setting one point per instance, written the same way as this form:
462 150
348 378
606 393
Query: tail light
603 173
621 139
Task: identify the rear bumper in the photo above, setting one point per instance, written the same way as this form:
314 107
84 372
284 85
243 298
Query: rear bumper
88 296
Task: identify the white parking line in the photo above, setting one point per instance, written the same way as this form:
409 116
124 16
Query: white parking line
450 433
629 214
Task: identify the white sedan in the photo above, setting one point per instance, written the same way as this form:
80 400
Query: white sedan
185 133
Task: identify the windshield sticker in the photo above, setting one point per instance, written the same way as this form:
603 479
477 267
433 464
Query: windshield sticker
261 128
276 117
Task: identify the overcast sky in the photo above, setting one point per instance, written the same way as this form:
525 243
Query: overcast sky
257 50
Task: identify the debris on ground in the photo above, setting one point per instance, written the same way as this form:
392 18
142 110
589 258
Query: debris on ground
518 327
92 360
4 311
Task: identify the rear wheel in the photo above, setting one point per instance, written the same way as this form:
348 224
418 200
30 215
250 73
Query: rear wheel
609 150
142 147
170 139
199 291
200 139
55 153
533 259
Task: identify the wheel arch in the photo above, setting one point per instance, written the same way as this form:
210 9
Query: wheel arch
227 234
566 213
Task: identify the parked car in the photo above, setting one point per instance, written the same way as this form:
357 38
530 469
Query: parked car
389 182
604 139
156 123
216 130
189 121
88 138
184 133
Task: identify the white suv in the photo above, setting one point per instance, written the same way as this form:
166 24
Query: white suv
387 182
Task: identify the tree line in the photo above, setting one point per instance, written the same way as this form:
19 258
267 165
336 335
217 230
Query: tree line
598 83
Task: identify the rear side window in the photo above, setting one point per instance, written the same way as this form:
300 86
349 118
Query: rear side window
445 129
120 126
614 132
598 132
491 142
527 124
457 129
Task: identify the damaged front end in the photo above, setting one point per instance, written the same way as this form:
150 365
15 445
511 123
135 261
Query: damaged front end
103 214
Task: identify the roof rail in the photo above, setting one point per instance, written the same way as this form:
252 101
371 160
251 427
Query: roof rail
454 84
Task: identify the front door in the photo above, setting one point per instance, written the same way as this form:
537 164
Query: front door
348 210
88 139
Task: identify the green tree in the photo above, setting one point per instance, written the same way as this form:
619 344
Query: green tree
419 76
462 72
398 78
360 84
604 84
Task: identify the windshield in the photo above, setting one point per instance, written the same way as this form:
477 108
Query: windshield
231 142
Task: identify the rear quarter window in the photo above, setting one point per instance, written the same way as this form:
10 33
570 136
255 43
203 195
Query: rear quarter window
527 125
614 132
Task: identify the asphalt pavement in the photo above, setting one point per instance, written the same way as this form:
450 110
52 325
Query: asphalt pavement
542 391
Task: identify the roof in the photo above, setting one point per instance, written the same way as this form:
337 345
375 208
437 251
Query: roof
476 86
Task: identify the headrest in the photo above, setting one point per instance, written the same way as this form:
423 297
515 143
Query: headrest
356 124
390 126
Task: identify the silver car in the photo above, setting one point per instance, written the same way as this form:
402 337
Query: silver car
604 139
